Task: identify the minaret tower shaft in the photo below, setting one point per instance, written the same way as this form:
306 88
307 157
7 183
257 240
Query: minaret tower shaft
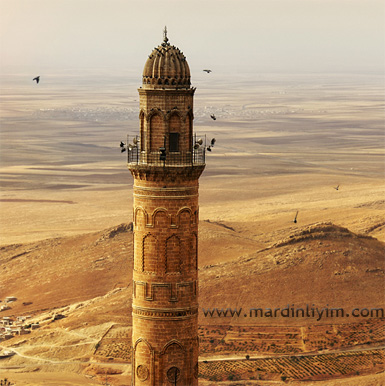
166 162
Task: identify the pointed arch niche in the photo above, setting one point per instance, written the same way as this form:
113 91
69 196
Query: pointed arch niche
150 253
173 254
140 218
143 132
194 251
143 363
185 218
160 218
173 355
156 132
175 134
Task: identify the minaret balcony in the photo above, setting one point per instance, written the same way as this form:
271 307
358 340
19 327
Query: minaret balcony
164 157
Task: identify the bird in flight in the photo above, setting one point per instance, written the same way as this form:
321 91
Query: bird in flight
336 187
295 218
208 71
37 79
213 117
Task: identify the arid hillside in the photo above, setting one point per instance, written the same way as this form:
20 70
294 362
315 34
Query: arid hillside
322 265
86 279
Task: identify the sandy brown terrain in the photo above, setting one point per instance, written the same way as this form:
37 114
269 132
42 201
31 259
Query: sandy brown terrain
298 270
283 144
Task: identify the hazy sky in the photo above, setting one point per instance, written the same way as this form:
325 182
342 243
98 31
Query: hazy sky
262 35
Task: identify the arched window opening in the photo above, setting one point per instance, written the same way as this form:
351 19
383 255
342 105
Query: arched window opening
174 142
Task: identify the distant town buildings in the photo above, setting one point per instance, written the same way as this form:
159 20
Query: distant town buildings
11 326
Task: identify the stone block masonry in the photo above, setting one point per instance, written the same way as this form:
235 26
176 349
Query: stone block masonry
165 224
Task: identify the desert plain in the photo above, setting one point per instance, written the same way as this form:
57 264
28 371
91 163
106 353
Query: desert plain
310 145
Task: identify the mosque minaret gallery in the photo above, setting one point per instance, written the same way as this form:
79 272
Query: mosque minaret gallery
166 160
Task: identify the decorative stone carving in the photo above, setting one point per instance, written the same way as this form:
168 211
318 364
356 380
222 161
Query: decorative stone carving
142 372
173 374
174 289
165 313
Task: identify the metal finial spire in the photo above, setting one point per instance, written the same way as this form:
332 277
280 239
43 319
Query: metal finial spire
165 39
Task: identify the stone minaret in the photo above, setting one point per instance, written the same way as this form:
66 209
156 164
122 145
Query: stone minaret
166 161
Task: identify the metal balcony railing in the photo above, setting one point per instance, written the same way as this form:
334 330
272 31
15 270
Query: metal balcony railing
135 156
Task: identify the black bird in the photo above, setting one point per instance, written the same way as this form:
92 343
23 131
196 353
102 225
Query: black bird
122 147
37 79
295 218
209 148
213 142
213 117
337 187
208 71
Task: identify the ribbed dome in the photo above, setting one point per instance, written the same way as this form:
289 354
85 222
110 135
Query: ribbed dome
166 68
